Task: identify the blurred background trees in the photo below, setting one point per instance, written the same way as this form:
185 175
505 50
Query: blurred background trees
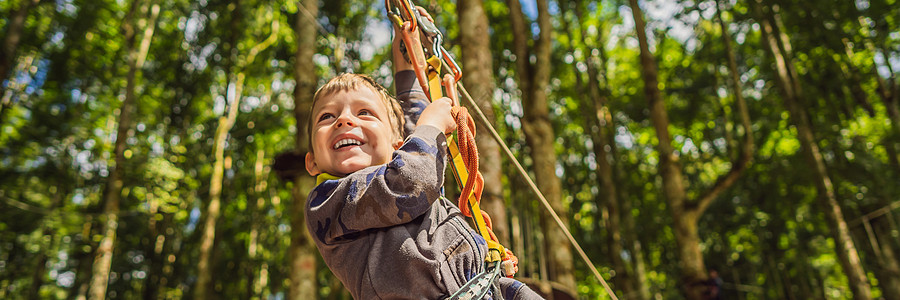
148 148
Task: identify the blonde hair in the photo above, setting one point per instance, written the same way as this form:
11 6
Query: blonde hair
349 82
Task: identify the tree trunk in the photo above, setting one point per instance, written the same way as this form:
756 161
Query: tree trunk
597 122
113 193
747 150
686 214
792 96
161 227
808 288
302 250
887 91
203 289
888 269
260 174
40 267
630 236
37 277
479 80
155 283
84 260
533 81
854 82
693 270
745 154
15 24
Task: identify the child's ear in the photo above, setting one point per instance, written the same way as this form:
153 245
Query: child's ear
397 144
311 166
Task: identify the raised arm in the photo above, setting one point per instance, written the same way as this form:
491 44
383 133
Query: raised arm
412 99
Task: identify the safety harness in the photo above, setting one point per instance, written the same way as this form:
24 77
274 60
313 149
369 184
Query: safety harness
427 57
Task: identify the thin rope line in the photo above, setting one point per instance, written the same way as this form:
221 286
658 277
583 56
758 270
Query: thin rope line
313 19
537 191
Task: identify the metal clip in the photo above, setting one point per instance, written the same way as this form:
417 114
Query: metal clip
433 38
400 11
451 64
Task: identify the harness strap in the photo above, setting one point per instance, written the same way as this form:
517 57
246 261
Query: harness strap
434 80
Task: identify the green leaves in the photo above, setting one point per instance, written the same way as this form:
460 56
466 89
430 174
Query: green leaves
57 133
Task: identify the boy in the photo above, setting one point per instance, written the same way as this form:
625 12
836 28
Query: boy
376 214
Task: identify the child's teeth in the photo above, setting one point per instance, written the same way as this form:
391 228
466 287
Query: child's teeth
346 142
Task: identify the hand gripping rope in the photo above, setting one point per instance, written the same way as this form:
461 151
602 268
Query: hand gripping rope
464 156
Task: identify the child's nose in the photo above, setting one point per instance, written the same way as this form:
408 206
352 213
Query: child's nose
344 120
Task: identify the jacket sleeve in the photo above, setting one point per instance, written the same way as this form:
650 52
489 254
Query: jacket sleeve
411 97
383 195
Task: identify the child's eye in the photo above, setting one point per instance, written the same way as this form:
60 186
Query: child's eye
365 112
325 116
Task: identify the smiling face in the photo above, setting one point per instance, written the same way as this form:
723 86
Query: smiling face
351 129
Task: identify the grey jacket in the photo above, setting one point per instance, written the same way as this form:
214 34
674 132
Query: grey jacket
387 233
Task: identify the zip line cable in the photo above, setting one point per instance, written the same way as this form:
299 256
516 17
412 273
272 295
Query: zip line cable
534 188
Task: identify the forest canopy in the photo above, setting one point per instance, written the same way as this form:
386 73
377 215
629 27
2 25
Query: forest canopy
711 149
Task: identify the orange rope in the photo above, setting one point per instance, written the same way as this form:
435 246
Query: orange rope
465 127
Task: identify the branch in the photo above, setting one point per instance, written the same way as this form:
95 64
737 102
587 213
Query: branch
875 214
239 85
726 181
265 44
25 206
746 155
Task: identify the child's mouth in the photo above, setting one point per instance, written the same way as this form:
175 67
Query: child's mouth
346 143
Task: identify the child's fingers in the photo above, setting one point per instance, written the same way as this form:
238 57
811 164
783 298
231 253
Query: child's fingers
447 102
438 114
448 108
425 13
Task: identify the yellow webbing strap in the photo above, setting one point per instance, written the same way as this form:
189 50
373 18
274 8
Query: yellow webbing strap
434 78
459 166
461 174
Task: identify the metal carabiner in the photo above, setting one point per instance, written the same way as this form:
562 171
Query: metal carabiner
428 28
451 64
433 38
437 45
401 12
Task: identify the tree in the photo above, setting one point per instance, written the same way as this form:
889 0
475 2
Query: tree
225 123
14 27
686 212
302 249
597 122
479 80
89 106
777 46
135 58
533 80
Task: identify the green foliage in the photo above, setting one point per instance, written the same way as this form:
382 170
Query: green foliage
767 235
